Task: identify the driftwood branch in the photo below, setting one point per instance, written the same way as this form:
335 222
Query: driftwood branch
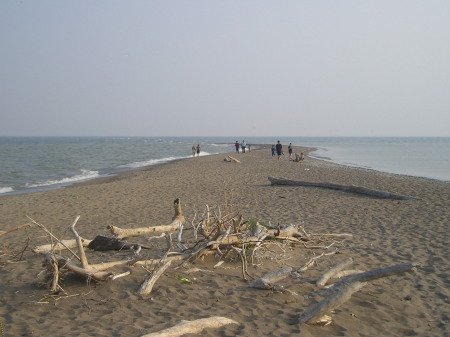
83 258
122 233
349 188
3 233
146 286
269 280
312 315
62 244
333 271
193 327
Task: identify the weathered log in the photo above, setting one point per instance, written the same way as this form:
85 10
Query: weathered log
63 244
88 273
328 304
146 286
373 275
332 271
269 280
122 233
53 269
193 327
83 258
350 188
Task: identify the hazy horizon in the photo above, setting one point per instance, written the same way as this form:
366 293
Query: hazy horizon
210 68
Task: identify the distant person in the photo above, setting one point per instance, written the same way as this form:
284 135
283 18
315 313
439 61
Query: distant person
236 145
198 149
290 151
243 146
279 149
273 150
194 150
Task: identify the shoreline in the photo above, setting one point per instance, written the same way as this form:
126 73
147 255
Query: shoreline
385 233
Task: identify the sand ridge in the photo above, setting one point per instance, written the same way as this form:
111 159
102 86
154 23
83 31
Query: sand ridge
385 232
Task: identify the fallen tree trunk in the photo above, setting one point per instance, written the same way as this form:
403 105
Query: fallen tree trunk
312 315
122 233
349 188
193 327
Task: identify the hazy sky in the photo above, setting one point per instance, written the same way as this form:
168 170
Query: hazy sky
225 68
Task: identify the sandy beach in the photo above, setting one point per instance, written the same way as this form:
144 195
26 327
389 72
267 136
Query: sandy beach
385 233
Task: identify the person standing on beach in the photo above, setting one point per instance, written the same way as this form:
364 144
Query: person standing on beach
273 150
236 145
198 149
194 150
290 151
279 149
243 145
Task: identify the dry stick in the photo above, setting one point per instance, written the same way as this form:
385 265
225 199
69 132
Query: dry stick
332 302
3 233
193 327
54 237
314 259
83 259
332 271
268 281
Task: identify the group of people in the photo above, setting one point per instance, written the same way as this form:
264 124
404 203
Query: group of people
196 150
242 146
278 149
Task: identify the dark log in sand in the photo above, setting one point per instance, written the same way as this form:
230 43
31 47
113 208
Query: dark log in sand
349 188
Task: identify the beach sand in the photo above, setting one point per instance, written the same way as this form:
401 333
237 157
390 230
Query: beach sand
385 233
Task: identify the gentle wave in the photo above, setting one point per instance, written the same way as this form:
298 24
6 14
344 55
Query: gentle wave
6 189
85 175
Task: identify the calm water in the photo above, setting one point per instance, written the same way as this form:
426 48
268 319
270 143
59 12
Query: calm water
29 164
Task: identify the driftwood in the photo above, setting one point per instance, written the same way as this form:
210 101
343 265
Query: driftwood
269 280
193 327
373 275
3 233
62 244
333 271
178 218
312 315
232 159
146 286
349 188
341 291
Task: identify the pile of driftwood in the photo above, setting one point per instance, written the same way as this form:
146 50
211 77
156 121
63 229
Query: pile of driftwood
213 233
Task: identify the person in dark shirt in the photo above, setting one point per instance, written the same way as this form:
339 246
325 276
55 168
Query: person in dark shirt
279 149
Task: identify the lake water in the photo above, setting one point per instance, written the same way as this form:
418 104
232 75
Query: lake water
30 164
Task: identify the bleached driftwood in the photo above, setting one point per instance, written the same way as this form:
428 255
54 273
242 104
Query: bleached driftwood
373 275
234 159
312 315
269 280
343 290
122 233
349 188
146 286
193 327
63 244
332 271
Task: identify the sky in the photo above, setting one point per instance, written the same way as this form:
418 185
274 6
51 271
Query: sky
225 68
